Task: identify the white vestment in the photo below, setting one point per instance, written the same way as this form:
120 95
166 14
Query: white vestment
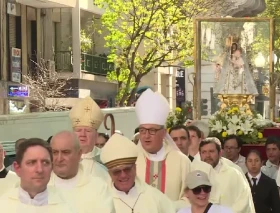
214 209
15 201
85 193
92 166
141 198
9 182
167 172
235 190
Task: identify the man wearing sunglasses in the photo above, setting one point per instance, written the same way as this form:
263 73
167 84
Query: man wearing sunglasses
198 191
130 194
160 163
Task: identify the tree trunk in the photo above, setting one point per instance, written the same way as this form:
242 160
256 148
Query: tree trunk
126 90
132 94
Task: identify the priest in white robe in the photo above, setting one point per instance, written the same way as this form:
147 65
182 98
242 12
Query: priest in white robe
130 194
235 191
8 179
160 163
33 165
86 117
84 192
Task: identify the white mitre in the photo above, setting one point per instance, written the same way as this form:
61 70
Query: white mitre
118 151
86 113
152 108
202 126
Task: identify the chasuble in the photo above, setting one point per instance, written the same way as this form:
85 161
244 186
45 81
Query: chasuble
91 164
85 193
142 198
8 180
11 203
167 175
235 191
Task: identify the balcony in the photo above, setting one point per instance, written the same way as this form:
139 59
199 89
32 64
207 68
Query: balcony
48 3
63 61
95 64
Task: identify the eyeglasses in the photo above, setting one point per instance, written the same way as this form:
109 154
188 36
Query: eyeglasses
118 172
152 131
198 190
230 148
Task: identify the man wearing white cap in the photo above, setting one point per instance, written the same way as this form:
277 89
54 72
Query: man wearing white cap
130 194
198 191
86 117
84 192
8 179
160 163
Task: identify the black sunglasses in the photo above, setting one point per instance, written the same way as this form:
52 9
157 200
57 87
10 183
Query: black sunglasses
197 190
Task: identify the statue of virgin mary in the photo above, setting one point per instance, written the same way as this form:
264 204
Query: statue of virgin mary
235 77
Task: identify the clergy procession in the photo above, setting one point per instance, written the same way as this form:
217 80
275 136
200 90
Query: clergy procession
160 171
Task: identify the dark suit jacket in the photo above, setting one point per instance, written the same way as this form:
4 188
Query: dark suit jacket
265 195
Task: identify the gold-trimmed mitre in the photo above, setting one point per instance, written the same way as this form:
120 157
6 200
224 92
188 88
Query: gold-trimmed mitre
118 150
86 113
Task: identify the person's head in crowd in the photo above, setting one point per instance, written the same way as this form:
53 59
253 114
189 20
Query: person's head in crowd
119 155
210 151
254 162
136 138
272 147
18 142
136 130
86 117
203 127
33 165
102 139
181 137
66 154
195 139
152 110
198 189
49 139
232 147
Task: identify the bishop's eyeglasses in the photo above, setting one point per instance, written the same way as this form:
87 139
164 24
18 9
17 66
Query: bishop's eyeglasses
152 131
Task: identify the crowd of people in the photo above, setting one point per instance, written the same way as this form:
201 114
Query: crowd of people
180 170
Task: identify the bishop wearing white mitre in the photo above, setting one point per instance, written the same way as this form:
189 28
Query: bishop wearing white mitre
86 117
8 179
130 194
160 163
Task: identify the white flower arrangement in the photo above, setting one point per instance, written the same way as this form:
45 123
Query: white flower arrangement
237 121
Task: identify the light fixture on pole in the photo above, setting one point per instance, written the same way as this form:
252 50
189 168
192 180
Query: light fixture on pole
260 60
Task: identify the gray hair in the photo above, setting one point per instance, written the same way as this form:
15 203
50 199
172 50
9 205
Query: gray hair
69 134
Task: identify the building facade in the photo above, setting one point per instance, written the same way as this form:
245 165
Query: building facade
32 30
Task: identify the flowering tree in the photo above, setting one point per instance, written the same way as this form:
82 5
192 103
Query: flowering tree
146 34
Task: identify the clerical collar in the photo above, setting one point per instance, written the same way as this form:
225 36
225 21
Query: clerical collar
132 192
219 165
65 183
159 156
40 199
